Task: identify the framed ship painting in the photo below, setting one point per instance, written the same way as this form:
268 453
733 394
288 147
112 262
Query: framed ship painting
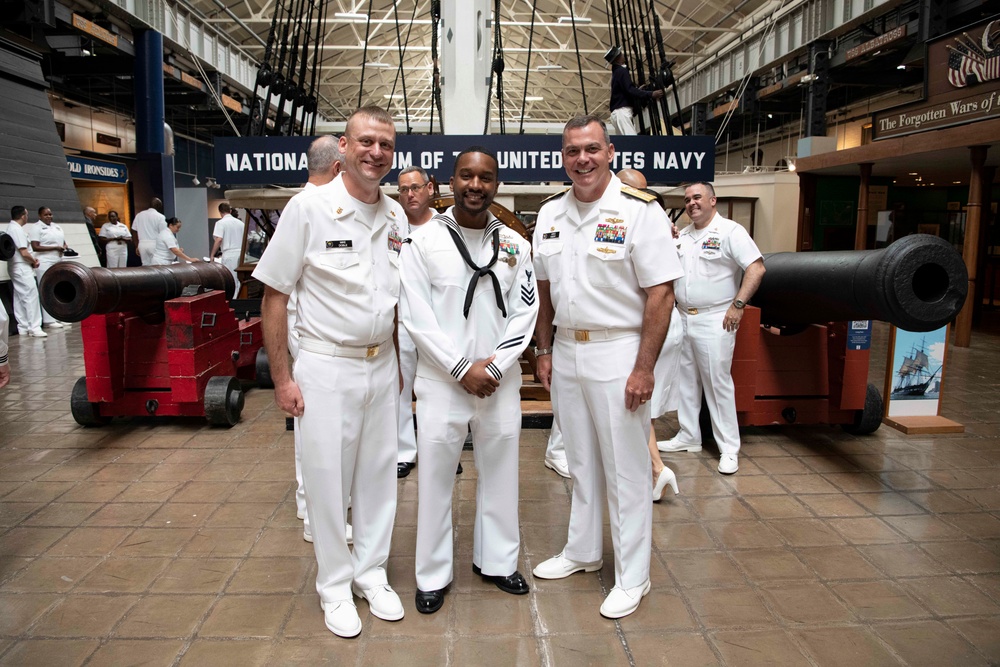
914 382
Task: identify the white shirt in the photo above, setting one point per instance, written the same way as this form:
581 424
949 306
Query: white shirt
344 268
164 242
598 267
435 283
148 224
17 233
230 230
47 235
116 230
714 259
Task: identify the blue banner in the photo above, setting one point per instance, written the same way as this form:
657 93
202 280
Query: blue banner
531 158
87 169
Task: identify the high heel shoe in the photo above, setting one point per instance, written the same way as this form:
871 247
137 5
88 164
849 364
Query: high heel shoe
667 476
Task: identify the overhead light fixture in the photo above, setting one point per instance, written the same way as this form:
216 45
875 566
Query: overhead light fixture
533 99
394 96
913 173
574 19
770 115
378 64
195 181
350 16
809 78
790 161
902 67
542 68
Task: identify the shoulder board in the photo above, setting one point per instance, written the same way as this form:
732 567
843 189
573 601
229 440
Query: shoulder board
555 196
638 194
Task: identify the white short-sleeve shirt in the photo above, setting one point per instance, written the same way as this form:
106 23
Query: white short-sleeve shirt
343 267
230 230
47 235
164 242
17 233
148 224
714 259
117 230
599 266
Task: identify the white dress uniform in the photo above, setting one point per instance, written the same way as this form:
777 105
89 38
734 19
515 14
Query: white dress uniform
598 257
408 368
336 254
666 388
147 225
714 259
230 230
453 329
4 325
47 235
27 310
161 251
116 250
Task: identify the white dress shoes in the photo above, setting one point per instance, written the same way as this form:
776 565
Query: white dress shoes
383 602
341 618
560 466
666 477
623 601
728 464
559 567
55 325
38 333
673 445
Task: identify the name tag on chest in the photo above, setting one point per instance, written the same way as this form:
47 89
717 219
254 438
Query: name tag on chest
339 245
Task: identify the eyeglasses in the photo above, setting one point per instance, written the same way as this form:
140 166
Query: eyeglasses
404 189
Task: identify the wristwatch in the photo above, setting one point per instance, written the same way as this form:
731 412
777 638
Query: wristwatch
542 351
739 304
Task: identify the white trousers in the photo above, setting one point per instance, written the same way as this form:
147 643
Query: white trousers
706 364
665 390
445 411
408 367
555 448
117 255
145 250
301 509
27 310
348 448
46 261
607 453
231 260
622 119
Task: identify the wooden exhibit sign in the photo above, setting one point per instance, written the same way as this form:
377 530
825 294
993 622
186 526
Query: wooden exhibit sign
963 85
884 39
914 379
95 30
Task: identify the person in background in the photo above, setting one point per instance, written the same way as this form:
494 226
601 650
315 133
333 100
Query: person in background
115 237
625 96
4 362
89 217
48 241
146 228
167 251
21 268
228 234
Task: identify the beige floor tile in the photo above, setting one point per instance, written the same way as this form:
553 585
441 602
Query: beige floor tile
983 633
149 542
903 560
744 534
600 650
195 575
844 647
38 492
680 536
925 528
493 612
165 616
572 612
805 603
776 507
771 564
751 648
729 608
929 643
218 653
177 515
979 525
246 616
55 575
414 652
241 515
964 557
865 530
84 616
123 575
827 505
29 541
662 609
657 648
119 652
878 601
219 542
271 575
148 492
21 610
950 596
704 568
486 650
330 650
807 532
50 652
122 514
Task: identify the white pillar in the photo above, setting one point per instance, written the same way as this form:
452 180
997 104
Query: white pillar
466 52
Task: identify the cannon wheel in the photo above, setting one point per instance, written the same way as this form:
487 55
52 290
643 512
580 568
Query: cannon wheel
870 418
84 412
262 370
223 400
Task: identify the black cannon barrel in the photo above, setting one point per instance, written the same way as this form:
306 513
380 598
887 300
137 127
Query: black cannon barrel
918 283
72 292
7 246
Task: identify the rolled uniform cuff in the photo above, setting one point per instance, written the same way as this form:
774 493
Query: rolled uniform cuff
462 367
494 371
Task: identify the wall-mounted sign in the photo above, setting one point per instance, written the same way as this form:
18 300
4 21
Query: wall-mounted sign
88 169
879 42
522 158
914 379
95 30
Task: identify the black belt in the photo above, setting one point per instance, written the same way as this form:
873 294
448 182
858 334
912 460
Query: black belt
477 271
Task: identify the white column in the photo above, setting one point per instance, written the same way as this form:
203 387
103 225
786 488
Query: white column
466 50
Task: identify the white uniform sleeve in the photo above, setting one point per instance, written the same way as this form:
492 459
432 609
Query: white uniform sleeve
3 335
741 247
522 311
652 248
169 239
105 231
284 258
33 232
418 317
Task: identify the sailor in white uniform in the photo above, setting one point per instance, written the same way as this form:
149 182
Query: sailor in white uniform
605 262
722 271
116 237
469 302
49 242
147 226
228 234
21 267
333 247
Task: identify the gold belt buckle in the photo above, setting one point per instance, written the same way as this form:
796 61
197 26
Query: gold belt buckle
692 311
582 335
372 351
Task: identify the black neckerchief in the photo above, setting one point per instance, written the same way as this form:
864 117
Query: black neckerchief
477 271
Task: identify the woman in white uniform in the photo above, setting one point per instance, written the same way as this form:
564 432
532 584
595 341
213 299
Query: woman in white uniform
167 251
115 236
49 242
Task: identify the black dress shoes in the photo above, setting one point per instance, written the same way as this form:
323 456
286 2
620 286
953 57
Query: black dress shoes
429 602
512 583
403 468
458 470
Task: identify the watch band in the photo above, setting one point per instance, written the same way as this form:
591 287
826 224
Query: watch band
542 351
740 304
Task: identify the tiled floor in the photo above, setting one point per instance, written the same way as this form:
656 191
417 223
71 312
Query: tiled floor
169 542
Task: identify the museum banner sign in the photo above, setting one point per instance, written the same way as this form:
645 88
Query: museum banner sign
963 85
522 158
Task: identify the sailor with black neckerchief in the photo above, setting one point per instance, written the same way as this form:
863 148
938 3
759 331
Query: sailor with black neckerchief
469 303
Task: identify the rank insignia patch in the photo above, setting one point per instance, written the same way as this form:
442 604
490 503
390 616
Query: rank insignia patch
711 243
395 240
610 233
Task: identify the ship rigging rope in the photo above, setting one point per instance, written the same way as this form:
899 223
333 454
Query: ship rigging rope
497 66
579 63
436 73
364 53
400 71
527 66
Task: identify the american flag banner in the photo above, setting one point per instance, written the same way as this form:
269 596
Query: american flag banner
970 64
